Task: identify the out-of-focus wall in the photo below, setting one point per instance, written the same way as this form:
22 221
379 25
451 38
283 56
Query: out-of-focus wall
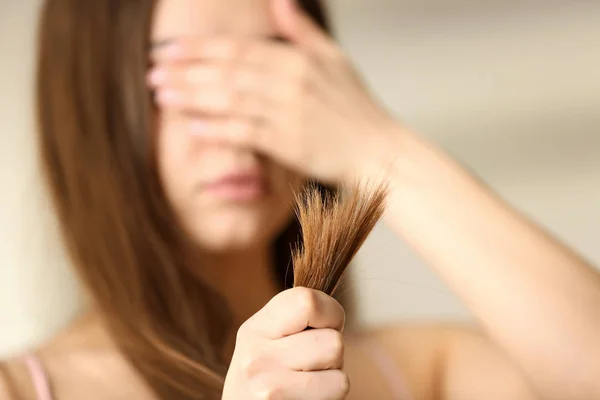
511 88
37 294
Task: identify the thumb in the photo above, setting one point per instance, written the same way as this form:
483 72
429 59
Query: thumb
295 25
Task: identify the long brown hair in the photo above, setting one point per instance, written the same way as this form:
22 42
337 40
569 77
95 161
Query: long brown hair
95 124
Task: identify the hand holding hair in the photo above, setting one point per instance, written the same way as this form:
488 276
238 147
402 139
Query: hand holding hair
276 355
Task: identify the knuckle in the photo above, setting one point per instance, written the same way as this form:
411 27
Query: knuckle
342 314
332 348
307 301
339 384
252 366
336 344
343 384
243 332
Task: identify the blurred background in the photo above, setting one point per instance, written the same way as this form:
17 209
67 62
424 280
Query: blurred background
511 88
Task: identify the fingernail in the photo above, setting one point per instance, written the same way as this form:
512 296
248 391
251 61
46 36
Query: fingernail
169 97
157 76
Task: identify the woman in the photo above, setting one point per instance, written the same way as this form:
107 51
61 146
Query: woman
176 214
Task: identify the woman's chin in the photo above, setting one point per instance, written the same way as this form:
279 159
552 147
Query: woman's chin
229 243
227 228
234 234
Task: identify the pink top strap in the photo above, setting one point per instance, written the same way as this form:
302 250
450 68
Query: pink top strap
38 376
389 369
386 365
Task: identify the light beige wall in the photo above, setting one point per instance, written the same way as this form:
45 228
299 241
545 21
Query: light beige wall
37 294
511 90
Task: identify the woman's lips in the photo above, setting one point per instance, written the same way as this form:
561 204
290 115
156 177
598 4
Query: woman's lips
237 186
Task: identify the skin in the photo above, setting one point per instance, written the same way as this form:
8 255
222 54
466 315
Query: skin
313 102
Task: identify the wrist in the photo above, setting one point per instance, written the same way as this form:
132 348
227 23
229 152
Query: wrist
379 152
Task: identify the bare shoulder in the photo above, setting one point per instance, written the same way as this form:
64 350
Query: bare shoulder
79 363
448 361
15 382
16 373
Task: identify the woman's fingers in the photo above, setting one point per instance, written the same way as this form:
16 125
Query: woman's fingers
294 310
192 74
234 131
276 357
273 56
223 48
218 102
269 69
311 350
209 101
318 385
271 97
207 88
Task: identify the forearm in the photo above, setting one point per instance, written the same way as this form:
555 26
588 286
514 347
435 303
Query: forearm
537 300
